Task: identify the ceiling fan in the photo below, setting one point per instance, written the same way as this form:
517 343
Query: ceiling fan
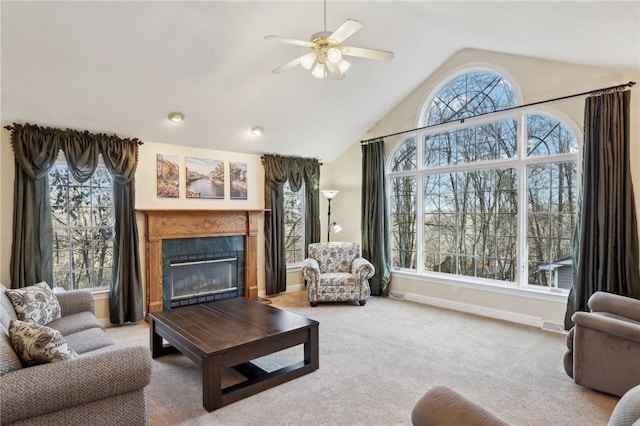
326 57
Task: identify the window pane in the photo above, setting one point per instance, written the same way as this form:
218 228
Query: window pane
403 222
470 223
405 157
469 95
294 224
480 143
548 136
551 221
83 230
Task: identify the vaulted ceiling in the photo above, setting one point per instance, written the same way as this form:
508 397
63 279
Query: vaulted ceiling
121 67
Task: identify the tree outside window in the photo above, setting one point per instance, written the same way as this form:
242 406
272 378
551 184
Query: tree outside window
83 229
294 224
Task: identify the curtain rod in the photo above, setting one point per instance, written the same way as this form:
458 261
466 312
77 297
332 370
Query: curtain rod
461 120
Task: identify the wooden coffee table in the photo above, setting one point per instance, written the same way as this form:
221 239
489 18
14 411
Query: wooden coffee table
232 333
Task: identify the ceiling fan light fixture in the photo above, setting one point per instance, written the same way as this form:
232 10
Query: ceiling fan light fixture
334 55
307 61
319 70
343 66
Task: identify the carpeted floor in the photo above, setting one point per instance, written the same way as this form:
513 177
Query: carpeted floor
377 360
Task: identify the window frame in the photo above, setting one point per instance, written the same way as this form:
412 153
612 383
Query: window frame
519 162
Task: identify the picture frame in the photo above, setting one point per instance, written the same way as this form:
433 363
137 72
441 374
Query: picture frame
205 178
167 175
238 180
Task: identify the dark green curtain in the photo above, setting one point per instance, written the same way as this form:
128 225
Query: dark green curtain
36 149
606 238
278 170
31 248
374 223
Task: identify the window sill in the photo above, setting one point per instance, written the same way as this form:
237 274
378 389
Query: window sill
100 294
547 294
294 267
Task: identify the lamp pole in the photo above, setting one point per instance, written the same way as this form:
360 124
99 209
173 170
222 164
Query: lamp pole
329 195
329 222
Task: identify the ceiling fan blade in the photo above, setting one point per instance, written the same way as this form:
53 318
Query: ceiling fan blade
289 40
367 53
288 65
345 30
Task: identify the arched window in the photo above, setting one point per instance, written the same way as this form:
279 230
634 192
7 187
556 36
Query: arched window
483 194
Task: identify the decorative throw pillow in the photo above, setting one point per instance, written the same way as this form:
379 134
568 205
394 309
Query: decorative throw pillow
38 344
36 304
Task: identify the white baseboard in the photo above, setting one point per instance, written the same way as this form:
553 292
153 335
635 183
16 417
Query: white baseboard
477 310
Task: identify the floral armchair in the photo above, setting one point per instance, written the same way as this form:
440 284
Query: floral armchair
335 272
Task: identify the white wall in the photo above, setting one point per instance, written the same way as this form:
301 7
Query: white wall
535 80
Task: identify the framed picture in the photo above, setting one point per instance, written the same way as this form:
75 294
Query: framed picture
167 176
238 176
205 178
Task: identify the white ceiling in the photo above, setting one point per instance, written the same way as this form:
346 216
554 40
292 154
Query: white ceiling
121 67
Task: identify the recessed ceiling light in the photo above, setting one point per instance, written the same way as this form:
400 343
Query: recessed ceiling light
175 116
256 130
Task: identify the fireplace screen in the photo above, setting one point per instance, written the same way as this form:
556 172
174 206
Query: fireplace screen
203 275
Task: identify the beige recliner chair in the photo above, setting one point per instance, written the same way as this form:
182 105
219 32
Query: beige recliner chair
441 406
604 344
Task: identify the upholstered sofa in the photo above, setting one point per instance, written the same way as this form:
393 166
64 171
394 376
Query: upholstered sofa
604 345
335 272
104 384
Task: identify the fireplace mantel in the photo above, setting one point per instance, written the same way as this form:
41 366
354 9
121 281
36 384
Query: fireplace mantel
170 224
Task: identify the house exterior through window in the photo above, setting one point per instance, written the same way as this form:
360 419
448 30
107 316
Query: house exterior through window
83 228
488 198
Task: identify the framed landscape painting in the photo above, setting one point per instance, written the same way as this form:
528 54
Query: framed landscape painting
238 174
205 178
167 176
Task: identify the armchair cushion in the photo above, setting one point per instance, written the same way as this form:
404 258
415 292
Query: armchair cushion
36 303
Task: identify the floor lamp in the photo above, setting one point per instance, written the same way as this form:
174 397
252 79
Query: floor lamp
329 194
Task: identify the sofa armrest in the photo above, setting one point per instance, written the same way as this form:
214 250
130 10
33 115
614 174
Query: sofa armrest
310 270
608 324
74 301
362 268
443 406
601 301
46 388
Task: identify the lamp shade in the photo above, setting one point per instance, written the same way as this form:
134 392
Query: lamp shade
329 193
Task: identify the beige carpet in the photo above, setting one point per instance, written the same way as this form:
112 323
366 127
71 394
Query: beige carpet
377 360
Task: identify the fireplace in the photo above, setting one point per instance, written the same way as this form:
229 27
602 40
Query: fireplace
193 236
198 270
202 278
